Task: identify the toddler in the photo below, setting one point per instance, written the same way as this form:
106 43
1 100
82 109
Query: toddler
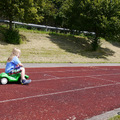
14 66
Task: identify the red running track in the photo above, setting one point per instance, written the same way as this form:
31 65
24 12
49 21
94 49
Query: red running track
62 93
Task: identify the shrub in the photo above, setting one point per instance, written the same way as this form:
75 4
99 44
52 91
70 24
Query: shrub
12 36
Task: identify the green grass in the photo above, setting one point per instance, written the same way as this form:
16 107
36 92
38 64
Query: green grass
115 118
47 32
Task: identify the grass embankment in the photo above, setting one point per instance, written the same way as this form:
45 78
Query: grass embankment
49 48
115 118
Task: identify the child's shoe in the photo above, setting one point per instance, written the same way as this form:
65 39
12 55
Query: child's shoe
25 82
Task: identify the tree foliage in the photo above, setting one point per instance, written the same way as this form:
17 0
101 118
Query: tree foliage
99 16
24 10
51 12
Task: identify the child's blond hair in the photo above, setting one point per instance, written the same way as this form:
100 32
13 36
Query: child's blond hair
15 52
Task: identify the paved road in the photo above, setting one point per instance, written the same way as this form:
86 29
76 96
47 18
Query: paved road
30 65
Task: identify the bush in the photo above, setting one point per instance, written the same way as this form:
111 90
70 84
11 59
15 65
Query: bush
115 38
12 36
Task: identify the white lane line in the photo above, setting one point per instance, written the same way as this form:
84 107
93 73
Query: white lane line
80 70
56 93
50 75
70 71
57 78
103 79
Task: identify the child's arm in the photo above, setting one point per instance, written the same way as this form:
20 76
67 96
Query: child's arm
20 64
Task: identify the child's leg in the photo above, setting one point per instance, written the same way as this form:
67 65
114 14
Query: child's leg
23 80
22 73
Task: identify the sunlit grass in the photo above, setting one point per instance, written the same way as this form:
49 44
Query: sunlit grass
115 118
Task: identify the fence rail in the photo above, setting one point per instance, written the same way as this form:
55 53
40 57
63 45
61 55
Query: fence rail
47 27
35 25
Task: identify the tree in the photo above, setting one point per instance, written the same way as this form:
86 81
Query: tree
25 10
99 16
59 21
51 12
48 11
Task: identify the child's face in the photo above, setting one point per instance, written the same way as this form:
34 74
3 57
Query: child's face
18 55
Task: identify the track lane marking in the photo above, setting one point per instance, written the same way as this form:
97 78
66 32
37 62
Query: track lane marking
103 79
56 93
81 70
57 78
63 71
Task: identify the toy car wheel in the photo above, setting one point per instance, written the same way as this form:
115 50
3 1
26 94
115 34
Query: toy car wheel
4 81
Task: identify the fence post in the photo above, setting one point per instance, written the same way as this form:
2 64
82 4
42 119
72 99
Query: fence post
46 29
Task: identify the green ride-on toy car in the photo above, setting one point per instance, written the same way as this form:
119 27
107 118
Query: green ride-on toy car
5 78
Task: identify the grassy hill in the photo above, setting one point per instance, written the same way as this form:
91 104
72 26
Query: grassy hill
50 48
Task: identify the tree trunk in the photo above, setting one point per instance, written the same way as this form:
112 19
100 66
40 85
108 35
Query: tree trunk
10 25
95 43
